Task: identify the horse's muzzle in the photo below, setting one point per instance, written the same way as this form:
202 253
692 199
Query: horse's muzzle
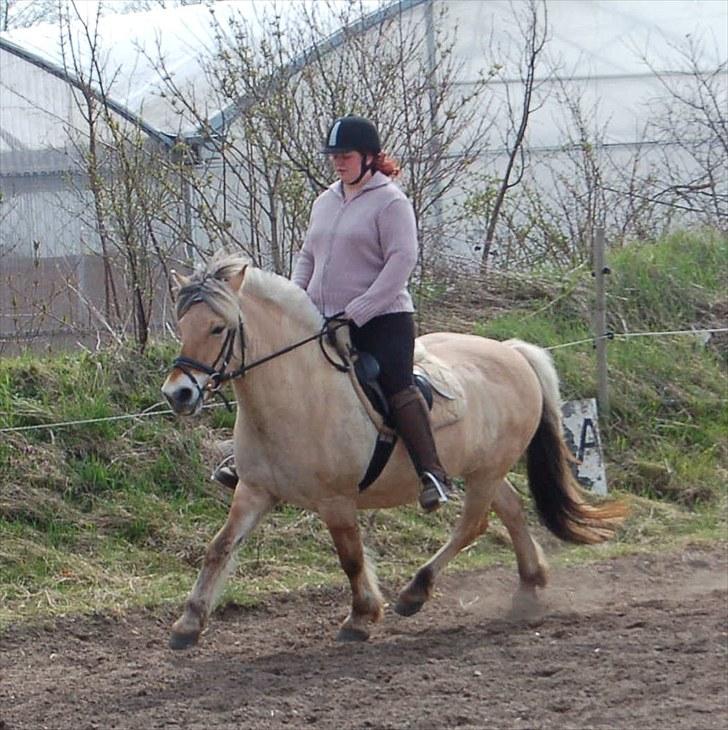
183 398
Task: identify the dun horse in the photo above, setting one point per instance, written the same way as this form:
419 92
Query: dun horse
303 435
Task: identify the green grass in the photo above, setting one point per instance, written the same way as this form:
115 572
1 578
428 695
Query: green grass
668 284
117 514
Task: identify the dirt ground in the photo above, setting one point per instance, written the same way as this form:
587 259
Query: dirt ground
635 643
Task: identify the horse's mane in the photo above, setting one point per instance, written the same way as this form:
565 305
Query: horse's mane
207 284
283 292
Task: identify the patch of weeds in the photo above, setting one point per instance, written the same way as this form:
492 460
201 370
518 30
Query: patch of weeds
221 418
92 474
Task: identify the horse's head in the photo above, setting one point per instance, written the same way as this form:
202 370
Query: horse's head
211 331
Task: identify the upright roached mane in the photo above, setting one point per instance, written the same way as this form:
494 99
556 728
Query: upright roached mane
303 436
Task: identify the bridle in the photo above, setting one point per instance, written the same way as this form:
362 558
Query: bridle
218 371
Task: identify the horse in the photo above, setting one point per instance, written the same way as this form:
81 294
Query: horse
304 436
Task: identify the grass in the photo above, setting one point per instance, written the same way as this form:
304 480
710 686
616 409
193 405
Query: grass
117 514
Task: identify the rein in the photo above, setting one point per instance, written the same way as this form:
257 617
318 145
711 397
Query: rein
220 375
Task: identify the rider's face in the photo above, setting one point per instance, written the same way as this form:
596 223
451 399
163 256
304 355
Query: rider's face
347 165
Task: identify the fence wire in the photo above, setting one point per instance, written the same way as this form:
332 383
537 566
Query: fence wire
626 335
168 411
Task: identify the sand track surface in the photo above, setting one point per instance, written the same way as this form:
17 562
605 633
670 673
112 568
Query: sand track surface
630 643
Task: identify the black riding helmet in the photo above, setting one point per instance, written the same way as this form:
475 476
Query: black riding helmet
353 134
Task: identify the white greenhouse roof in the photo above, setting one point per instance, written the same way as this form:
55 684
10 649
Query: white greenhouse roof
617 34
132 45
594 39
605 38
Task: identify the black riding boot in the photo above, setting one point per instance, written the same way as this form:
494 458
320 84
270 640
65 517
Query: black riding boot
412 422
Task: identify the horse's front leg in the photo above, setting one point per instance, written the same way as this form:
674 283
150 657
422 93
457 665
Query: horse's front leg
367 602
246 510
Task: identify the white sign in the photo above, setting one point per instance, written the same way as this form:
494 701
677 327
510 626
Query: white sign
581 431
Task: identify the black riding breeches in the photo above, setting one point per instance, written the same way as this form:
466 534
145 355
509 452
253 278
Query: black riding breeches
390 338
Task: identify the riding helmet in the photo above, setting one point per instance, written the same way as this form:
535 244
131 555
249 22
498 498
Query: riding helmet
352 133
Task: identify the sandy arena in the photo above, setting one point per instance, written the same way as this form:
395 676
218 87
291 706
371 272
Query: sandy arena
635 643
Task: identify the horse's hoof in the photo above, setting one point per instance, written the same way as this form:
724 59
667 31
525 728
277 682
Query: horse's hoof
408 608
526 608
348 634
182 641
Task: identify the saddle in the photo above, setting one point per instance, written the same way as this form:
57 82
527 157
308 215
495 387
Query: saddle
437 383
366 369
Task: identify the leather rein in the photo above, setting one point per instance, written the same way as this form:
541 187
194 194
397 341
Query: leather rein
218 371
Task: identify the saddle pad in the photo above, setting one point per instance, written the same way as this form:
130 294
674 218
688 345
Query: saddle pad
449 396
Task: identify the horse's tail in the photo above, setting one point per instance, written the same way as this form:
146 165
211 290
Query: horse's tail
559 499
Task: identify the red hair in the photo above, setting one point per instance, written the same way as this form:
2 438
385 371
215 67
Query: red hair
386 165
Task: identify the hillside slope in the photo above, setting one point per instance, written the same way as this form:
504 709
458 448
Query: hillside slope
116 513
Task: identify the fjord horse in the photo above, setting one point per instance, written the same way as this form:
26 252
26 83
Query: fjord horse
303 436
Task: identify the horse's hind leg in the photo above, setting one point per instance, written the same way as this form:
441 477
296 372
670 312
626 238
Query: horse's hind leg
366 600
532 566
247 508
480 497
473 521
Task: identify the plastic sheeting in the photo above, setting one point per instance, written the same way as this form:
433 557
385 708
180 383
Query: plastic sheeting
135 53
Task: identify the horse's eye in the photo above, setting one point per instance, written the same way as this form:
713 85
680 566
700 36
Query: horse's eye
218 330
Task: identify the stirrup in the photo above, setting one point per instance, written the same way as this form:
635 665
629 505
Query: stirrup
225 473
433 494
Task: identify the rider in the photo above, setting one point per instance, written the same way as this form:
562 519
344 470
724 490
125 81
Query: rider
358 254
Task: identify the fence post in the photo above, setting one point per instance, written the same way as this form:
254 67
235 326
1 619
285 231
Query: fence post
600 319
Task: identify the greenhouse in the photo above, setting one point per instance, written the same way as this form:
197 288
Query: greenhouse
132 143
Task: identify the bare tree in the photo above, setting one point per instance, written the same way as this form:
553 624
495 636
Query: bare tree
561 205
122 167
578 185
123 7
634 210
532 22
674 172
691 125
25 13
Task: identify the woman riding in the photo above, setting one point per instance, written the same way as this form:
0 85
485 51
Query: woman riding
357 257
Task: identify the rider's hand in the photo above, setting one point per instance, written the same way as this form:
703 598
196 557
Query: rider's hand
334 323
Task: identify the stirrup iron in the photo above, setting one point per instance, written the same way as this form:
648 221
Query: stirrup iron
225 473
433 494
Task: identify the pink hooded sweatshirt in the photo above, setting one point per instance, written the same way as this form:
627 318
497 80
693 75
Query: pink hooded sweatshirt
359 253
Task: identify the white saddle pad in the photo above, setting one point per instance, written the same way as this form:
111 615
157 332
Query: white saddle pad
449 397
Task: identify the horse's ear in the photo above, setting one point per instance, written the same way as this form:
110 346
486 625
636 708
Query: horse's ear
235 280
177 281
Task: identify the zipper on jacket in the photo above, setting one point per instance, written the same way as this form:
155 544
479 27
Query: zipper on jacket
337 220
